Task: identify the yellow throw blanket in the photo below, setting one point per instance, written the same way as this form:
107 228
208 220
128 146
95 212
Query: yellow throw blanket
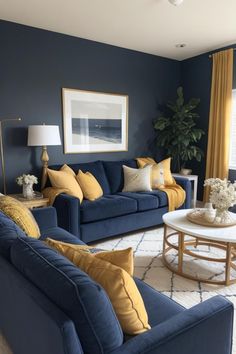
51 193
175 194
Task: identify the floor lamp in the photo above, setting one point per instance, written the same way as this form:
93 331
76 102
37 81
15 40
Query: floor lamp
2 151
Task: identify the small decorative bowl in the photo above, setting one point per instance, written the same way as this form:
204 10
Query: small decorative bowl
185 171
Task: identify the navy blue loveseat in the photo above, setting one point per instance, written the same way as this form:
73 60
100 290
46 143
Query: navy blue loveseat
49 306
116 212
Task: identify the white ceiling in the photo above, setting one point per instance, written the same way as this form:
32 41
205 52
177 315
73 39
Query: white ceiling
150 26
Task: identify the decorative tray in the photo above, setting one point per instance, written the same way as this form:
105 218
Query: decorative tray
197 217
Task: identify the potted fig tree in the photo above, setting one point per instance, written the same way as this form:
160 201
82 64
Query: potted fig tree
177 132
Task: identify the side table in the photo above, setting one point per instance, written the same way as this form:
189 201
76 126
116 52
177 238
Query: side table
194 179
36 202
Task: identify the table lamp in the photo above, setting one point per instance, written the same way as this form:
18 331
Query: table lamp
44 135
2 151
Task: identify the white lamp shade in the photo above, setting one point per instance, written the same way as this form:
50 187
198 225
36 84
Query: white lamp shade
43 135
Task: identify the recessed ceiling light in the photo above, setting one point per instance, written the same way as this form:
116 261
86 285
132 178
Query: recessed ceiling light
176 2
180 45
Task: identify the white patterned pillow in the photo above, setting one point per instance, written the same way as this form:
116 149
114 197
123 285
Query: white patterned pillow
137 180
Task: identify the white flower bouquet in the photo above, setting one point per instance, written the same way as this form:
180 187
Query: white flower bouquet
223 192
222 196
26 179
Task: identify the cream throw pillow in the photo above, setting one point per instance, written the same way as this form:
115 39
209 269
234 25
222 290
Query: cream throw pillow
137 180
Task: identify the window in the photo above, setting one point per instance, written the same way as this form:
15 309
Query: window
232 156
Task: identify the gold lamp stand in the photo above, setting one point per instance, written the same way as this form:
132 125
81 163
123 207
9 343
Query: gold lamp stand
44 159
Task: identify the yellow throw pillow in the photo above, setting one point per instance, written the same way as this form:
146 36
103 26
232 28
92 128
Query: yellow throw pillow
161 173
90 187
66 168
64 180
121 258
143 161
119 286
21 215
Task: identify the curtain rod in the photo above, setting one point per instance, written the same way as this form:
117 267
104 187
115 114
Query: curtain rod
210 56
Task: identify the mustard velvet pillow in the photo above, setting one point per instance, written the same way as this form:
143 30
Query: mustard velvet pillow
68 169
143 161
65 180
21 215
161 172
119 285
90 187
121 258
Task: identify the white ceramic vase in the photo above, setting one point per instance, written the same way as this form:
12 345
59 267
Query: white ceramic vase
222 216
210 212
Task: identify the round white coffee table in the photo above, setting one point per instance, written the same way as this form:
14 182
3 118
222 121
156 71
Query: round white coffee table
223 238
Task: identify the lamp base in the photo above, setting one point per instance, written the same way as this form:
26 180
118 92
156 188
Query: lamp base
44 159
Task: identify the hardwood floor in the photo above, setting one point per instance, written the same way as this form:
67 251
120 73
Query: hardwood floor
4 348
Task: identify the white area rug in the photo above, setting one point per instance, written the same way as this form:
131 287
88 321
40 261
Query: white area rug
147 248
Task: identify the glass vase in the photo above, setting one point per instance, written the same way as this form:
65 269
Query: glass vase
28 191
222 216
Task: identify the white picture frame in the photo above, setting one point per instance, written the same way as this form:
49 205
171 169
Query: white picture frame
94 121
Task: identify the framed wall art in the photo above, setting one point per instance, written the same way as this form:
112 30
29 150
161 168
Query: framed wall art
94 121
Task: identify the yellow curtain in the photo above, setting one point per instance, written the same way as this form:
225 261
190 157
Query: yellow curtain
220 117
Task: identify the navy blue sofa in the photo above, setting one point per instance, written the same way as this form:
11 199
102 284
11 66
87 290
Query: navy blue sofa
116 212
49 306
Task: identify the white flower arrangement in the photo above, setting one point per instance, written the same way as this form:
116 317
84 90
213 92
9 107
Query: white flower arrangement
223 193
26 179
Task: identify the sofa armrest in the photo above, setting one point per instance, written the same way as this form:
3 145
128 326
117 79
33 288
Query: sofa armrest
186 185
45 217
31 322
68 213
205 328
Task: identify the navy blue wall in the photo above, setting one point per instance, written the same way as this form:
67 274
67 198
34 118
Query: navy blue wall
36 64
196 80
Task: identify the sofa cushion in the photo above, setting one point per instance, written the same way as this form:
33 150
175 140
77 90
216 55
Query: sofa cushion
107 207
159 307
59 234
82 300
66 182
115 174
9 233
145 201
160 195
137 179
97 170
122 258
90 187
20 214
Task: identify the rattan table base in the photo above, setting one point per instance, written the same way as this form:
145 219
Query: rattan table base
182 249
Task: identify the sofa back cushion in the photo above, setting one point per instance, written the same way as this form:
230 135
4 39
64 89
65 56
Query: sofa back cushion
96 168
115 174
83 300
9 232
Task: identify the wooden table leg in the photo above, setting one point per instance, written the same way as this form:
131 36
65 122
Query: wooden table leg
228 263
164 238
181 252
